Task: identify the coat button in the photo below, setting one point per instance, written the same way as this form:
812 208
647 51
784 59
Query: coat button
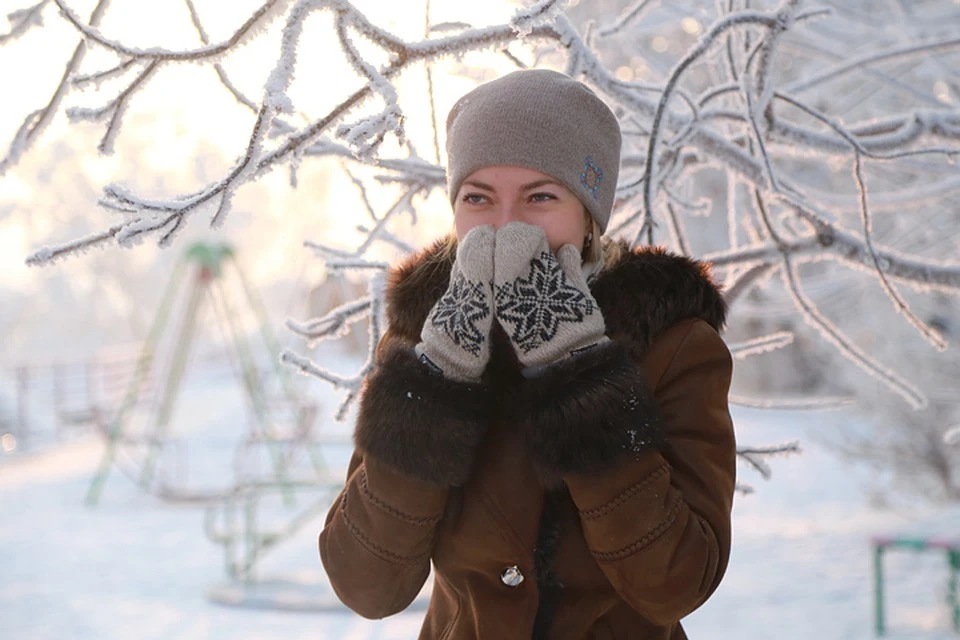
511 576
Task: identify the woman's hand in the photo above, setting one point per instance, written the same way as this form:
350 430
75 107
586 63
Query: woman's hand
455 340
543 301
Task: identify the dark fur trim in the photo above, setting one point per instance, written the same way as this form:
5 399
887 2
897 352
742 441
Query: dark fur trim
649 290
585 413
421 424
414 286
641 294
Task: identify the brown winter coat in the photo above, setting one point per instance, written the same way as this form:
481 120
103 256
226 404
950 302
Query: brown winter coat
607 480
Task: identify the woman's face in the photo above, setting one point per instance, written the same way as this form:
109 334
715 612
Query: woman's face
502 194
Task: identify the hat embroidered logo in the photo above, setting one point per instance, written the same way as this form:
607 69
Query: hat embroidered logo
591 176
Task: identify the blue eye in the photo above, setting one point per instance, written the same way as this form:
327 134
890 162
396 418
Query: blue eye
542 196
473 198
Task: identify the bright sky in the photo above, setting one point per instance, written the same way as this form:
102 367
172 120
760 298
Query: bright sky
185 115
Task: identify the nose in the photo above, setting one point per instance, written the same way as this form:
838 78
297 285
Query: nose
506 212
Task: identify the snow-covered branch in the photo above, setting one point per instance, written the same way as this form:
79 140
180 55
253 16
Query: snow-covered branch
22 20
35 122
253 26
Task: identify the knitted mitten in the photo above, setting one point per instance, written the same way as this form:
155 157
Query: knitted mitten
543 301
455 340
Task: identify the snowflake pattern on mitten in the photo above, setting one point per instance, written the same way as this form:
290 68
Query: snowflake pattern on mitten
537 305
459 314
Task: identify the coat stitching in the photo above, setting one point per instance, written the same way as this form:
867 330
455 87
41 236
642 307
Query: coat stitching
593 514
396 513
373 547
647 540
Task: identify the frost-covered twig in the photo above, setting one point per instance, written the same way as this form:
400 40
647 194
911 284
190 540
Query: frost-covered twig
355 265
402 205
22 20
746 279
96 79
793 404
221 73
770 21
843 245
630 14
335 323
305 365
763 344
952 436
910 129
524 20
943 45
366 135
34 124
888 288
677 232
899 303
50 255
844 345
115 109
755 456
270 10
372 308
766 49
716 30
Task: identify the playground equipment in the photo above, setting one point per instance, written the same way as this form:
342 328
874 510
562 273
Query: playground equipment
281 420
235 523
43 402
257 512
951 548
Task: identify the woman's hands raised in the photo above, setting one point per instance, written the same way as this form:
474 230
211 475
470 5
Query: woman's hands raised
541 300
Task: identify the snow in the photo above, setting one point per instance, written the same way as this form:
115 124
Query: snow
137 567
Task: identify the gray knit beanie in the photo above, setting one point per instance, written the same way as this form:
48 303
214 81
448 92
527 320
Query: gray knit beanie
541 120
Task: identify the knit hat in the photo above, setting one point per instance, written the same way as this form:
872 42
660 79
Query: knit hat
541 120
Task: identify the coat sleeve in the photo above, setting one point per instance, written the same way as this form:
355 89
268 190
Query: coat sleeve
416 436
650 464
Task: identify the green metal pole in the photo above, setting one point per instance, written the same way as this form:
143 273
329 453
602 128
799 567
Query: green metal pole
266 332
174 377
878 588
953 556
256 392
252 540
283 373
144 362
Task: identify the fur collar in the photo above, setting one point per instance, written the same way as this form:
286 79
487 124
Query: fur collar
641 294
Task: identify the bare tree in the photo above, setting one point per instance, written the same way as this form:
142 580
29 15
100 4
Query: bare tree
813 134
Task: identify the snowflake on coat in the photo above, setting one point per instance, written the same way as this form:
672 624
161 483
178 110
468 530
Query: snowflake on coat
537 306
459 311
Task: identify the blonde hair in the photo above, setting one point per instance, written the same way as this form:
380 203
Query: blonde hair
601 248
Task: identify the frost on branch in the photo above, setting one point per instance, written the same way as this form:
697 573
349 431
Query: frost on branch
819 179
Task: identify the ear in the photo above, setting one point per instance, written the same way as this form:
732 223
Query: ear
590 236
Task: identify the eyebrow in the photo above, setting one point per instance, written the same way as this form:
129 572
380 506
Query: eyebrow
526 187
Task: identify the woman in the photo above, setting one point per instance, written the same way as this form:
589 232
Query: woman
547 422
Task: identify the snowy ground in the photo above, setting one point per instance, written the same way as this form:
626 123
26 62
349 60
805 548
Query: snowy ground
135 567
